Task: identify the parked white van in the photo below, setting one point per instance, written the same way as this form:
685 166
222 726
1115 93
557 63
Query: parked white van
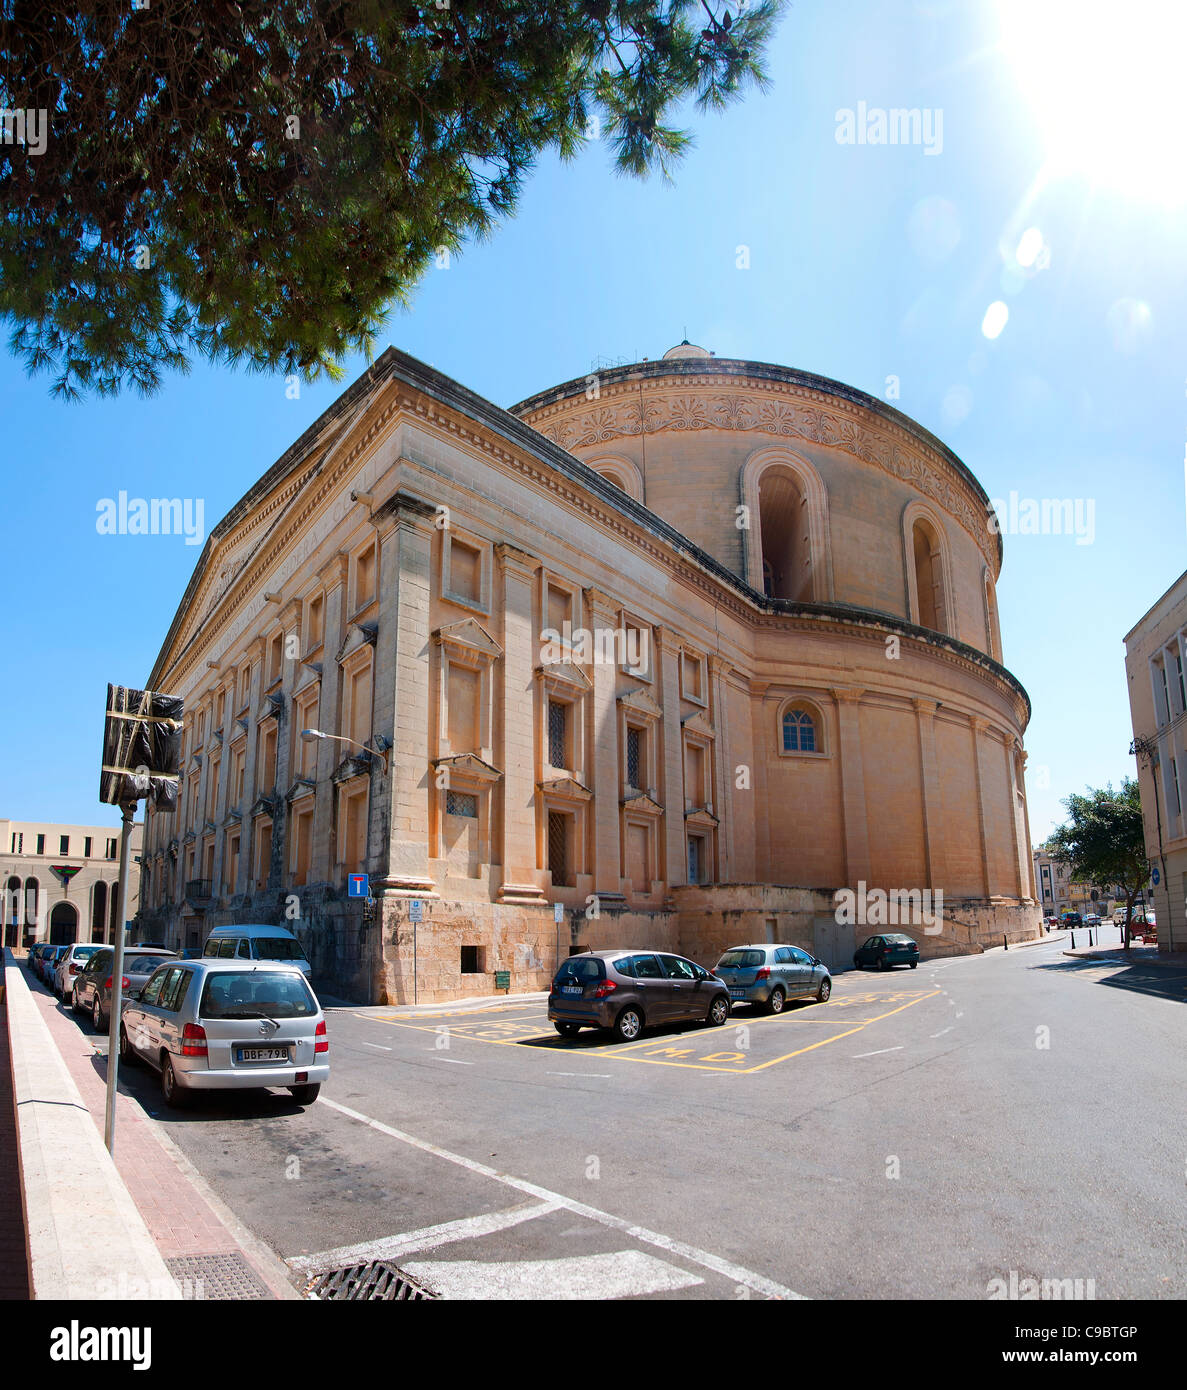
252 941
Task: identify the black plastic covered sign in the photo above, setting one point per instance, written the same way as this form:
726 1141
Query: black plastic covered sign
141 747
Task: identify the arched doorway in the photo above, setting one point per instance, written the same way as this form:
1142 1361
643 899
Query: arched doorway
32 913
98 911
785 536
63 924
12 912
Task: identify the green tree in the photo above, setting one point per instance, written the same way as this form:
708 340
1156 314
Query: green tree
1104 842
258 181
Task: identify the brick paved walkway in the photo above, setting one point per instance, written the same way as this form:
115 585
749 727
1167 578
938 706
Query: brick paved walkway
14 1265
179 1218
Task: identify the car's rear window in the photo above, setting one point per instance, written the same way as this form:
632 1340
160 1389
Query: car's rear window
143 965
898 938
743 958
81 951
276 948
256 994
580 970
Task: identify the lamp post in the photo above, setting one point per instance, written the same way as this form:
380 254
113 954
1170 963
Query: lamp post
377 752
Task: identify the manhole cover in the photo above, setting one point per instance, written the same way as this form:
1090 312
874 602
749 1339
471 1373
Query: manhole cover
376 1279
216 1276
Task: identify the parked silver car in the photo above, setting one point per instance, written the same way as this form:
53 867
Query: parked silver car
769 974
228 1025
71 965
92 986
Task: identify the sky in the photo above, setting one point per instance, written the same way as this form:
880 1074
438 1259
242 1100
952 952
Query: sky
1047 179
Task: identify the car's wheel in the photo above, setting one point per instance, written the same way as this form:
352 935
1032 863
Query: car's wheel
71 1000
567 1030
128 1055
857 965
628 1025
826 988
304 1095
719 1011
97 1015
914 964
775 1002
884 965
174 1093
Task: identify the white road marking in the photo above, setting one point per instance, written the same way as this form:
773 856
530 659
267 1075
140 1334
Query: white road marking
427 1238
621 1274
737 1274
879 1052
456 1062
376 1045
942 1031
605 1075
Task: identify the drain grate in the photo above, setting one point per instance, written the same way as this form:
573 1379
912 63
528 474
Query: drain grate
373 1280
216 1276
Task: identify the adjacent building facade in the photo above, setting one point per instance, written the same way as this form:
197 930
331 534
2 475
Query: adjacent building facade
684 647
1155 654
61 882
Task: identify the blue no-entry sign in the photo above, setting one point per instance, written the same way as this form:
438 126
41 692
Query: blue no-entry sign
358 886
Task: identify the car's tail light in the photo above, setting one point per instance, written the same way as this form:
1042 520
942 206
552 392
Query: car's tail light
74 969
763 974
321 1043
124 982
193 1040
605 988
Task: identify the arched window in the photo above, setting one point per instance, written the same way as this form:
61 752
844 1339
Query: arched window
799 732
787 553
620 471
992 630
98 910
929 588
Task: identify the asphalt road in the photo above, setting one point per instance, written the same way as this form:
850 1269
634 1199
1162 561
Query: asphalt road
923 1134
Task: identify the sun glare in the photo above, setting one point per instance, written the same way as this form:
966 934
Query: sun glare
1104 80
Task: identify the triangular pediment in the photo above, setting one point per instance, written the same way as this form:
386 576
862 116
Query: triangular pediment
263 806
231 819
642 805
698 724
568 787
271 708
641 702
470 765
566 675
301 787
469 636
701 816
358 635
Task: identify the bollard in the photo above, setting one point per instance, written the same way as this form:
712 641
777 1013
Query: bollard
1090 940
1073 939
1005 942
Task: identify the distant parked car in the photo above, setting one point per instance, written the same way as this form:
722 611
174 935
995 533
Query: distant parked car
626 991
92 989
70 966
255 941
33 959
1092 919
47 963
770 974
228 1025
1071 919
887 950
191 953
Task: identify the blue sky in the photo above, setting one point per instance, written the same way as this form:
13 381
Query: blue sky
865 262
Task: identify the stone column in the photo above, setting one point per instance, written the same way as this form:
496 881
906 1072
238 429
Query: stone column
515 736
761 715
853 785
671 760
321 859
404 621
978 726
1025 858
601 615
723 782
933 806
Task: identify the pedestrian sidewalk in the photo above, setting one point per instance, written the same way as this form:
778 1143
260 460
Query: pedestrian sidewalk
1148 957
209 1253
14 1252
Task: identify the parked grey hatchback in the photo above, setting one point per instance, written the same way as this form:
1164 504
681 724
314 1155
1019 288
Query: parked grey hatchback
228 1025
769 974
92 988
626 991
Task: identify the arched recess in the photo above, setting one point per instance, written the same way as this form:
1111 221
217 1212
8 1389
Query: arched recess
620 471
98 910
63 924
928 563
788 550
993 633
12 911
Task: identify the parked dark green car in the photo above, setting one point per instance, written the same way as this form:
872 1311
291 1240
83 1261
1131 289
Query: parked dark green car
889 949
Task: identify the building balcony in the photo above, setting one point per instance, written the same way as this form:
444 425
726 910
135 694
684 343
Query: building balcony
198 890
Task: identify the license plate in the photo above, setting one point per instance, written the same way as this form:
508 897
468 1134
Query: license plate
572 989
263 1054
737 994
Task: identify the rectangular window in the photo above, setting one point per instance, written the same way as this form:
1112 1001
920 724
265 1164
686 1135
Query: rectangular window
634 758
302 845
692 672
232 874
558 734
41 846
558 848
315 623
465 689
461 804
694 777
18 843
275 656
263 854
470 960
63 844
305 750
465 571
558 608
364 578
267 759
86 847
1179 678
1175 785
695 858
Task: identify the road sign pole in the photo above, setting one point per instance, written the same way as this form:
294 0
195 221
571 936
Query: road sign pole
117 979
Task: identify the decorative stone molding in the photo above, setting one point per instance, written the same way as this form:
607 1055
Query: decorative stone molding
468 639
640 702
470 766
565 789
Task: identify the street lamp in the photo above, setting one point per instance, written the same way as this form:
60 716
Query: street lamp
378 751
